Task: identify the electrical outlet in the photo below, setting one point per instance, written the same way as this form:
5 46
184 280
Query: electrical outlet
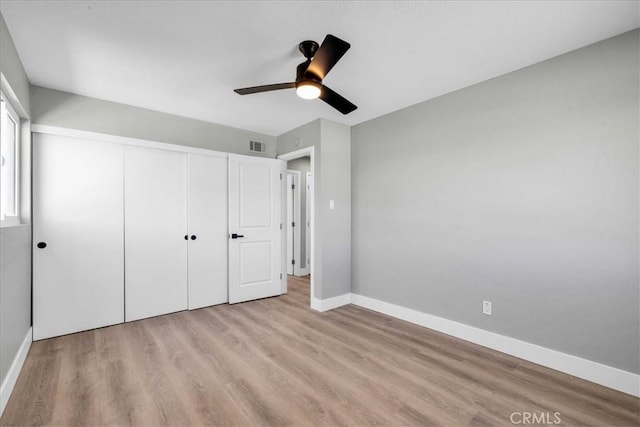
486 307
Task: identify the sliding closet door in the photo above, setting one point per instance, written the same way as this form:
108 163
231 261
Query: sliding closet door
78 259
208 233
155 207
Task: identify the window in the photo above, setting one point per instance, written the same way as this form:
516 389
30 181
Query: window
9 163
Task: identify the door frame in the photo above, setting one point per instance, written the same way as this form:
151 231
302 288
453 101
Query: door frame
308 181
296 219
306 152
274 233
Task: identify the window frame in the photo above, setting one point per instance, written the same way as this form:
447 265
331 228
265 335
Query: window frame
11 114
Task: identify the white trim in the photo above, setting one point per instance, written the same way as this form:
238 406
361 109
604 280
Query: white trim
13 98
303 152
303 271
330 303
10 221
12 115
16 366
598 373
307 224
25 151
283 229
103 137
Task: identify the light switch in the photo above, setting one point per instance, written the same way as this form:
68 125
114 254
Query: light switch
332 205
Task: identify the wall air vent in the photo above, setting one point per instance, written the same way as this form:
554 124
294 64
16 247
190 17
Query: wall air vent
257 146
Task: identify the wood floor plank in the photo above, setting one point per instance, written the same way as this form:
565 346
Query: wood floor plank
326 380
78 381
277 362
376 379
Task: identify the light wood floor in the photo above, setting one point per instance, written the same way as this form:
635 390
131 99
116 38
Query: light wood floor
276 362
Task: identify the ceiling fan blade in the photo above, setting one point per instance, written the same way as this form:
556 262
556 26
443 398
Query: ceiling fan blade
330 52
336 101
264 88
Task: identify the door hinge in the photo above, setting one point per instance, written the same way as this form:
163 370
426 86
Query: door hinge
280 177
293 262
293 224
280 226
280 276
293 186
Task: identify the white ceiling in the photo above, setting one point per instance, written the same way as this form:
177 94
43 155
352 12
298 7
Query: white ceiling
185 57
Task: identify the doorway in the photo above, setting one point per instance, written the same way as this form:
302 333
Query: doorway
299 203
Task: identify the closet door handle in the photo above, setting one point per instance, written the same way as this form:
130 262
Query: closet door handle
41 245
236 236
193 237
186 237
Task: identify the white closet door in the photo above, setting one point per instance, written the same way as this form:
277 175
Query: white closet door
208 233
78 258
155 206
254 224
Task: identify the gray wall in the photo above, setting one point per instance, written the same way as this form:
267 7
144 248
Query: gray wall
15 292
15 242
522 190
335 158
12 68
302 165
332 181
63 109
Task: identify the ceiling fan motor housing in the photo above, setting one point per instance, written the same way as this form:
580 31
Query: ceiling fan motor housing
308 48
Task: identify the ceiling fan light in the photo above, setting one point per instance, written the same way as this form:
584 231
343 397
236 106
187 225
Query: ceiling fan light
308 90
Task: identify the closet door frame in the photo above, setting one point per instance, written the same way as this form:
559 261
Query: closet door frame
126 141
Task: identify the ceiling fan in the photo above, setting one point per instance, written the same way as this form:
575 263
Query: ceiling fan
310 73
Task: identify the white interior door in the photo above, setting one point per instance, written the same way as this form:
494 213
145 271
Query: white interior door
208 230
290 220
78 258
155 195
254 228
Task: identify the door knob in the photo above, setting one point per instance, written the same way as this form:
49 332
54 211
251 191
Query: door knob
186 237
193 237
41 245
235 236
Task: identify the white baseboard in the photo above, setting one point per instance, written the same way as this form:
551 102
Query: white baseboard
302 272
12 376
330 303
598 373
